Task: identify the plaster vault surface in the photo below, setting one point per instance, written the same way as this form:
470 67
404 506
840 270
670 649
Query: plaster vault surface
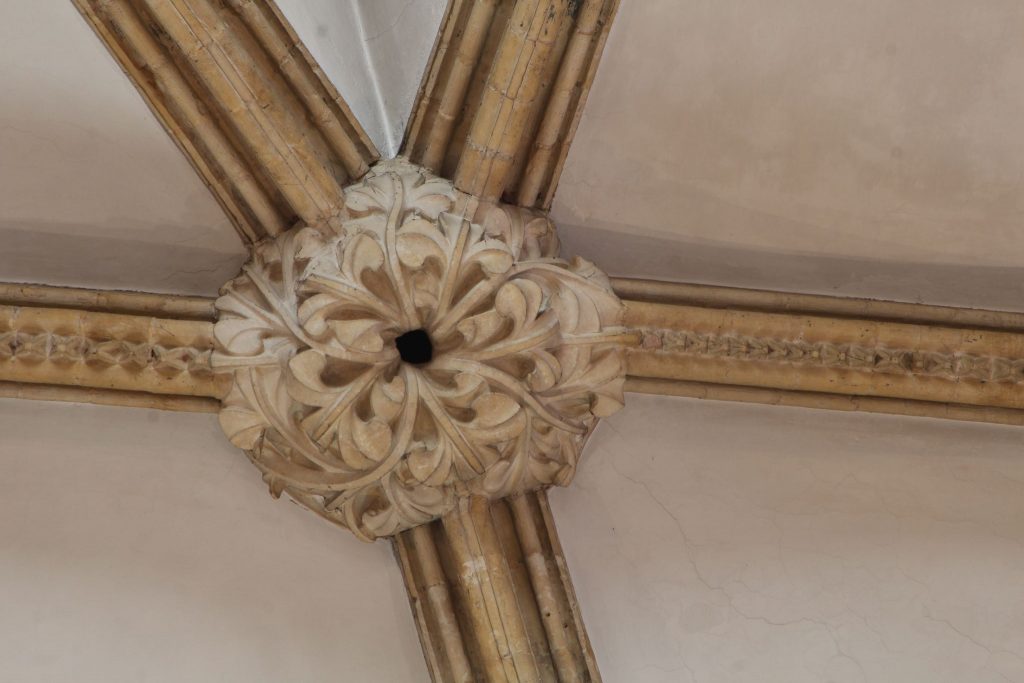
94 192
708 541
177 565
87 169
856 148
741 543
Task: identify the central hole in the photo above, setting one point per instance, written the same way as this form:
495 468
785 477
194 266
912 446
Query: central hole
414 347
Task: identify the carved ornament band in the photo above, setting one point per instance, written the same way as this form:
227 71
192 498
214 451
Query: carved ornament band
106 351
957 367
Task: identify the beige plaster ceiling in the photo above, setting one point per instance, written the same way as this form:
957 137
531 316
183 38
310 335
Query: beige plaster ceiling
722 542
92 190
94 193
175 565
860 147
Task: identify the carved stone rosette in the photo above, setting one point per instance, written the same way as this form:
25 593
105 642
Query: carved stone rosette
403 357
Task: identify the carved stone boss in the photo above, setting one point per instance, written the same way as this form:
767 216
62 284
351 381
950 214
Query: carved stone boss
400 357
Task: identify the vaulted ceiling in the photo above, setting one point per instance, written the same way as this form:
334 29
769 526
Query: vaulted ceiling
854 147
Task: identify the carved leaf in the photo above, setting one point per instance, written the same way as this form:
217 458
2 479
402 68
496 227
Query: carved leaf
523 346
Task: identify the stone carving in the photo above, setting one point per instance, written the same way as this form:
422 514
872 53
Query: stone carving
403 356
953 366
38 347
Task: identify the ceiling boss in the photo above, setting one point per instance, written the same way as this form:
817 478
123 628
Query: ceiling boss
404 356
